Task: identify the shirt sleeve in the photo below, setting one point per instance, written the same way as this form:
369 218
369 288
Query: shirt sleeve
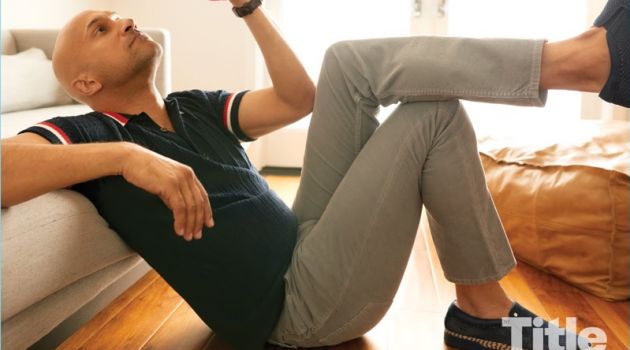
225 106
64 130
71 130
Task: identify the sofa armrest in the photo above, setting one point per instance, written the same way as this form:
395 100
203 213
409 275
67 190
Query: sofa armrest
45 40
50 242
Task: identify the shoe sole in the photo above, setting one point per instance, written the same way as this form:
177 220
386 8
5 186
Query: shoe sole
464 342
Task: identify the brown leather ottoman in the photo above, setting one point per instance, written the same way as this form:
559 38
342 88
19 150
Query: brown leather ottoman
562 191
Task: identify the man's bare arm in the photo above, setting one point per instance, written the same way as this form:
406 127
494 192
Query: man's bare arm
31 166
293 93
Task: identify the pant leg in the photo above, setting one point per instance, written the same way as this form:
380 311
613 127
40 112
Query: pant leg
361 194
358 76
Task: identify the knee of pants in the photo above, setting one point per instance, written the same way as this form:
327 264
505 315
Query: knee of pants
439 113
452 115
434 120
337 53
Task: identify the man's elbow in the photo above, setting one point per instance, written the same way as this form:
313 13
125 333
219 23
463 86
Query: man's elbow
306 100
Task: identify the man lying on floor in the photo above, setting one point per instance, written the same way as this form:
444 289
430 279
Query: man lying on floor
170 177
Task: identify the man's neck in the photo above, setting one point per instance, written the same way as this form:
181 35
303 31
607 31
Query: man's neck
147 100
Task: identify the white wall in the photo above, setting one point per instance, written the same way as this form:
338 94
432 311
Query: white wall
211 48
43 13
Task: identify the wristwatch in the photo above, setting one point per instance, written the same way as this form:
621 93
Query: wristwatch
246 9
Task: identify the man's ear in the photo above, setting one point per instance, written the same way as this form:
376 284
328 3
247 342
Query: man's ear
86 86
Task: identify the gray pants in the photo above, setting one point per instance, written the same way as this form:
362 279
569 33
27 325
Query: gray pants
363 185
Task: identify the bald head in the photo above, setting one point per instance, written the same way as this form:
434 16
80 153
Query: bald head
67 63
97 52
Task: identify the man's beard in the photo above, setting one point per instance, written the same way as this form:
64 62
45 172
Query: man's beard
142 63
146 60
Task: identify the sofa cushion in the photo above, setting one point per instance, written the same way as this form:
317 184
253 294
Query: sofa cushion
562 192
50 242
14 122
28 82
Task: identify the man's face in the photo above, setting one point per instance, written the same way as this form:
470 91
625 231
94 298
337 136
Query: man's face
105 46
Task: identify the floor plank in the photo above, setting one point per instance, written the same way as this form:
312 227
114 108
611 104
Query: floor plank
150 315
134 326
93 327
617 318
183 330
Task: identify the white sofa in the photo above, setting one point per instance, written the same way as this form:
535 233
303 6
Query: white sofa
61 263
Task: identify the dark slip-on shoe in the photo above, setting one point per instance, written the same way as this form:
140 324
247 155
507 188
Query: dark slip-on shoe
616 19
465 332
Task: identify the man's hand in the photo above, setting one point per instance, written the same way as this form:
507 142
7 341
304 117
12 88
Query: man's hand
66 165
175 183
293 93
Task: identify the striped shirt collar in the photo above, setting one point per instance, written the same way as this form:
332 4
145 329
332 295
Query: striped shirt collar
123 118
117 117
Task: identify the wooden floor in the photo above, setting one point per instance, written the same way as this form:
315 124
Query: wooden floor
150 315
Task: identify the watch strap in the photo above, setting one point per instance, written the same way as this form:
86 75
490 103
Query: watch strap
247 9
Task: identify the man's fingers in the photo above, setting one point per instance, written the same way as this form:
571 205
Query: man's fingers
189 201
175 201
178 187
199 207
207 208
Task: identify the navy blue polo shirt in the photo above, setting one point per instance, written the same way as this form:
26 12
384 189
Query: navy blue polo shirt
233 276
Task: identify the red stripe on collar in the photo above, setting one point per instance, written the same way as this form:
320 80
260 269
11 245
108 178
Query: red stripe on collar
119 118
